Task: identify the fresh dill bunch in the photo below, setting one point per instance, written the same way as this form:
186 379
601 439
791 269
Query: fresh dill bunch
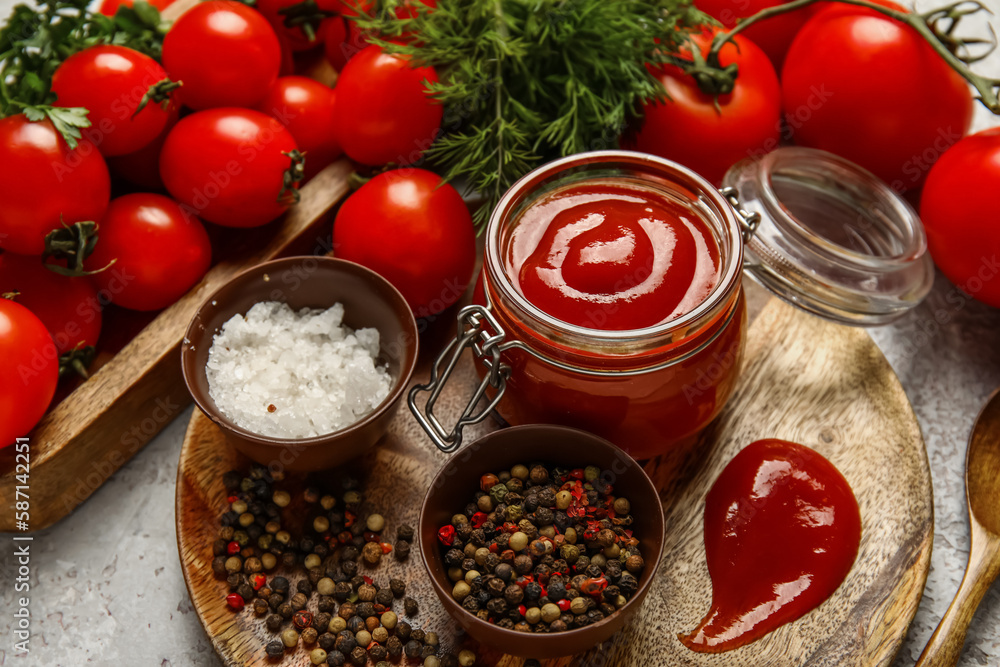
527 81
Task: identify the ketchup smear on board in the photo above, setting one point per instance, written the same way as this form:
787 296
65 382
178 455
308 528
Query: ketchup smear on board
782 530
606 255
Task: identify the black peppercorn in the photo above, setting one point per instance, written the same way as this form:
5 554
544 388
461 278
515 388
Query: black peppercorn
384 597
219 566
285 610
274 600
365 609
355 624
628 584
405 532
412 649
246 591
326 604
349 567
273 622
260 607
427 651
279 585
299 601
378 652
275 649
394 646
326 641
345 642
410 606
417 635
403 630
359 656
335 658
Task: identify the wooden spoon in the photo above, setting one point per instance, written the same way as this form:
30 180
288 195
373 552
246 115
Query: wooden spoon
982 491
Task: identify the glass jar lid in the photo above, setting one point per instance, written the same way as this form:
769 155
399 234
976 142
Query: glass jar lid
833 239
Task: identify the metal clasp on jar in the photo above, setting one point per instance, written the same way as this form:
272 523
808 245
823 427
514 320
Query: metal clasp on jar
480 331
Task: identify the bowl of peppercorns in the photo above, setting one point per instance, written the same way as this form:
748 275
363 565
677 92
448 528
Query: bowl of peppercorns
541 540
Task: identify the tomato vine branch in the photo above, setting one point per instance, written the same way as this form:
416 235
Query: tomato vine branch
944 43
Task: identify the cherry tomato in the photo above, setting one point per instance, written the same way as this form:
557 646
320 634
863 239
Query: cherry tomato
225 53
383 113
228 165
44 183
159 251
110 7
68 307
110 82
959 210
142 168
851 83
343 39
305 107
297 38
689 129
29 371
415 231
773 35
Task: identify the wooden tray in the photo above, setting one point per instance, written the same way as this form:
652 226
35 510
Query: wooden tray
805 380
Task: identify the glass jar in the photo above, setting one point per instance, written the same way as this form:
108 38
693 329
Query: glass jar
653 390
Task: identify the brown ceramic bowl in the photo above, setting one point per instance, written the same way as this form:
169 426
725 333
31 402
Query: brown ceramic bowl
456 483
308 282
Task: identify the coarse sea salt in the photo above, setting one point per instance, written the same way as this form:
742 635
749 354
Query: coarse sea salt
319 375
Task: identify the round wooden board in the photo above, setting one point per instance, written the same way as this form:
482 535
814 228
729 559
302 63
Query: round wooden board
806 380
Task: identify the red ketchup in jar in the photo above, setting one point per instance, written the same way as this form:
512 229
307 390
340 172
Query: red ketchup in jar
782 530
610 300
608 256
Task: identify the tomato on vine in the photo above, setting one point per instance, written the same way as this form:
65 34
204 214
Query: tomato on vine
159 252
383 111
226 53
869 88
301 22
417 232
127 94
68 307
305 107
710 134
29 372
773 36
44 183
959 211
233 167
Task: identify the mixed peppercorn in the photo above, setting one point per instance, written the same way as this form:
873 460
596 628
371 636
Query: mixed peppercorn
356 618
543 549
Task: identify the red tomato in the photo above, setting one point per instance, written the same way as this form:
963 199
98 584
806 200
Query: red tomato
297 38
44 183
29 371
68 307
160 251
689 129
383 113
773 35
342 38
225 53
228 165
959 210
415 231
305 107
142 168
110 82
109 7
868 88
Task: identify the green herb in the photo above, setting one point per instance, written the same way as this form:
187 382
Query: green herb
526 81
36 40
